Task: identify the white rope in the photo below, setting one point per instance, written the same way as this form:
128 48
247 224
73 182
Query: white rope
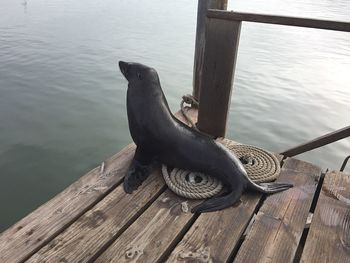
261 166
191 185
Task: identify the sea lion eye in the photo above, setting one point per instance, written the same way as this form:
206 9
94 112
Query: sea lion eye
138 75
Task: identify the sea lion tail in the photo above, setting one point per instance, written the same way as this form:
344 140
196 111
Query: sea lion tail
218 203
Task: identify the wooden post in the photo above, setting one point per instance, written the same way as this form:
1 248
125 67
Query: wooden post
221 46
203 6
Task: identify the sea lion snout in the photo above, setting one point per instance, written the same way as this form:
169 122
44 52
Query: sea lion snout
124 68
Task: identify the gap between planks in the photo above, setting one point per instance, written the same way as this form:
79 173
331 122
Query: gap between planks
101 225
215 236
329 234
154 232
280 222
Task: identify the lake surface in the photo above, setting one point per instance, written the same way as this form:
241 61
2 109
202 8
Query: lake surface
62 98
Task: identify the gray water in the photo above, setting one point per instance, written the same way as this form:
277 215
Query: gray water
62 98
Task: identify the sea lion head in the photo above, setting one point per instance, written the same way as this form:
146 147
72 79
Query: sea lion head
136 72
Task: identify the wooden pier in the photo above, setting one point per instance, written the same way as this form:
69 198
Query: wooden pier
93 220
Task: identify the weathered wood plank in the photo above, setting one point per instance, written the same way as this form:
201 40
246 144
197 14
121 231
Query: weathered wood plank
28 235
203 6
104 222
221 46
329 235
32 232
214 235
279 224
149 237
281 20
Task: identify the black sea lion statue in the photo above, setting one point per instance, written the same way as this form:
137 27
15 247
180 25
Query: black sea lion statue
160 137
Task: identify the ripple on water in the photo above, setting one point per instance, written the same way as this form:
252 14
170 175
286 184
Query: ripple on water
61 93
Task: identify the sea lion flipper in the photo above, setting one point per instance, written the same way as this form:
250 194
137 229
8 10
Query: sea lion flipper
137 173
139 169
270 188
218 203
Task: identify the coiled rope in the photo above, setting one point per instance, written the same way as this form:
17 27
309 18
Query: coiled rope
261 166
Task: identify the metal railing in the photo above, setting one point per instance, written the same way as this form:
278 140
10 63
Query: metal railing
318 142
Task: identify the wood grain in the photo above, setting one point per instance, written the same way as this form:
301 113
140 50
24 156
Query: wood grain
32 232
203 6
105 221
214 235
221 46
279 224
329 235
149 237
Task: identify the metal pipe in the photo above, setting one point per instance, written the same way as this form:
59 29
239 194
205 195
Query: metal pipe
318 142
344 163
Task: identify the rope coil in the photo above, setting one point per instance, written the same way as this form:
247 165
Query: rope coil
189 184
261 166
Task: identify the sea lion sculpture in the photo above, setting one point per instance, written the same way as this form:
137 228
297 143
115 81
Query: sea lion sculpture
160 137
